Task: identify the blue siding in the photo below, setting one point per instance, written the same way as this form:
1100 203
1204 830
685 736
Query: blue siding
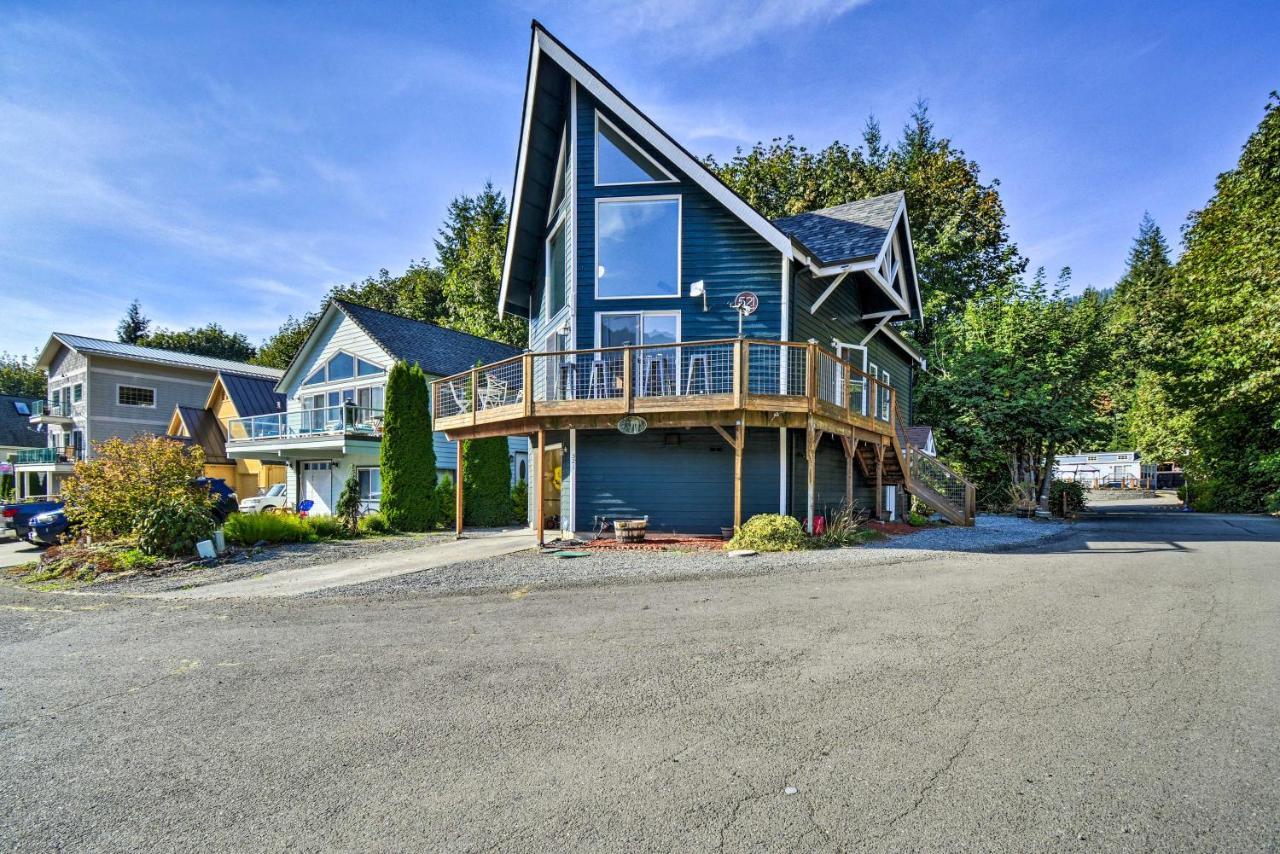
686 487
716 247
447 454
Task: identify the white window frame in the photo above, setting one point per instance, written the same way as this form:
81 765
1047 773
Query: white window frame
154 396
888 395
874 370
562 163
841 347
560 222
595 269
678 315
595 157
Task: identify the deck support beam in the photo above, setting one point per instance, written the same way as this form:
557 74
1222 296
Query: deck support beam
457 500
738 442
880 481
850 451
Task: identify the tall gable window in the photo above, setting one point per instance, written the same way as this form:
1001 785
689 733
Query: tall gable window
621 161
342 367
638 247
556 270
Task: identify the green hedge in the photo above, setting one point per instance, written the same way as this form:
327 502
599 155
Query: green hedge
408 456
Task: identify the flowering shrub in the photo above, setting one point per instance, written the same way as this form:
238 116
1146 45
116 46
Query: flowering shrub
769 532
108 495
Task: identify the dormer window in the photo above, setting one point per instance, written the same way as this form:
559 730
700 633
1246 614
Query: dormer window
621 161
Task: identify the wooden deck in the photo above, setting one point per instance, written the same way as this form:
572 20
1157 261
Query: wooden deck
729 385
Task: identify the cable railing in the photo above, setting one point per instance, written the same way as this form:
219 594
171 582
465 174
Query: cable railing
932 473
344 419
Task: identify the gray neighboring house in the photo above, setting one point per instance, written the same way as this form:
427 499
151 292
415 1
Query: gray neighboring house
16 433
100 389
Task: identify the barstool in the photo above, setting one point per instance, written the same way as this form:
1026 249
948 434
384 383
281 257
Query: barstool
655 368
703 364
596 383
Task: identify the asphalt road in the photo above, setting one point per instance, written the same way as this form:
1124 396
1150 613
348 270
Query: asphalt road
1119 689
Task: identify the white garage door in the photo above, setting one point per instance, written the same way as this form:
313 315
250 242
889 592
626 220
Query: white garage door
317 486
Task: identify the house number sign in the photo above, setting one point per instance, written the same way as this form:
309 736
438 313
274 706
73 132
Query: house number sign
632 425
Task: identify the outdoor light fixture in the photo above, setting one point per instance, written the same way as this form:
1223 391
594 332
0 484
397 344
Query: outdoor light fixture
699 289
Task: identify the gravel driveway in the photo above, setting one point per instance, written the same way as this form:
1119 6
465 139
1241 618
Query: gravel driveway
523 570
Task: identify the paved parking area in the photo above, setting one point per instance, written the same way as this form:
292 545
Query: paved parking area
1116 689
14 552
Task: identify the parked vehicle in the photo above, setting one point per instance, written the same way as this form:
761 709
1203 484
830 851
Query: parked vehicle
225 496
50 528
15 519
270 501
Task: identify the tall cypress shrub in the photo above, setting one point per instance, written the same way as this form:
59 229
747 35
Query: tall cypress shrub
408 457
486 482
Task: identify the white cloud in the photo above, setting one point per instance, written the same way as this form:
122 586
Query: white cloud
710 28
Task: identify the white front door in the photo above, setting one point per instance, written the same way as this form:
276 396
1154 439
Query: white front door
317 486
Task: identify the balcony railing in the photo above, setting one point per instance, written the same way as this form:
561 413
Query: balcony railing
346 419
694 375
51 409
69 454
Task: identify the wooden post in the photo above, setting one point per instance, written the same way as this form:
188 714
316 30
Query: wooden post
811 476
880 480
475 394
528 384
740 436
811 375
739 390
542 462
457 500
850 449
627 385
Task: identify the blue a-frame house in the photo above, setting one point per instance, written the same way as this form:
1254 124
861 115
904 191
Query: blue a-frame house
648 388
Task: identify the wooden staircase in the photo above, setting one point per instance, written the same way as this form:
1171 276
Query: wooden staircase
930 480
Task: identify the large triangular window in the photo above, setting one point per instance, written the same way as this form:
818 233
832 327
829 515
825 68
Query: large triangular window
560 192
621 161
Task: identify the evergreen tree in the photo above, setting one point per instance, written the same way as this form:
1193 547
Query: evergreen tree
348 509
133 328
408 457
278 350
959 234
1228 283
1144 325
471 248
486 482
211 340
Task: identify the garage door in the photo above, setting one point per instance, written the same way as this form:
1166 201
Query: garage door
317 486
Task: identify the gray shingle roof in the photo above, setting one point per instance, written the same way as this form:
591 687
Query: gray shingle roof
847 232
15 428
918 434
437 350
103 347
253 395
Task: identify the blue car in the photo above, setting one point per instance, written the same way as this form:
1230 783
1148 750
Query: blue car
49 528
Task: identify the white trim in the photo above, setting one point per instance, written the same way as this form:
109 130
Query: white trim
355 368
874 330
526 126
647 131
595 261
155 396
562 162
571 516
303 355
571 261
782 471
875 315
151 376
784 332
830 289
676 313
595 158
894 336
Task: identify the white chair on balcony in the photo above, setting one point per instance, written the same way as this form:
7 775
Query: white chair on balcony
699 368
493 393
459 395
653 377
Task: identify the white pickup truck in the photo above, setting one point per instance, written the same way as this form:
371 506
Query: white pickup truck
271 500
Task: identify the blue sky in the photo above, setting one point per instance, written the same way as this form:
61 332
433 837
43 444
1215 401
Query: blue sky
230 162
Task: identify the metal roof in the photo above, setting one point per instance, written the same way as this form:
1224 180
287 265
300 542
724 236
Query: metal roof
204 430
847 232
253 395
102 347
15 428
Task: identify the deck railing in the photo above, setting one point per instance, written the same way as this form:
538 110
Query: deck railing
720 374
50 409
933 474
67 454
345 419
